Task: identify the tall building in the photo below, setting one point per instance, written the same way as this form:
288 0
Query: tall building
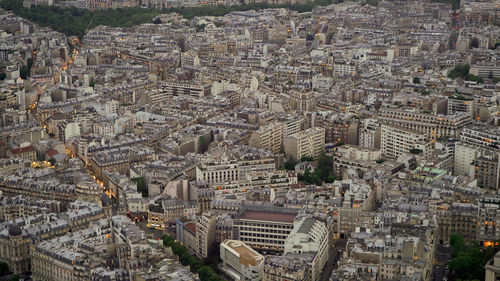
264 229
482 136
268 137
458 218
464 157
193 89
291 126
369 133
487 170
15 250
310 143
457 106
239 258
434 126
489 220
398 141
205 234
304 101
309 237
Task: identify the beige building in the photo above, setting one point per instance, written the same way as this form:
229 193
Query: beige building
304 101
493 268
398 141
205 234
265 229
15 249
434 126
309 236
310 143
269 137
464 157
241 260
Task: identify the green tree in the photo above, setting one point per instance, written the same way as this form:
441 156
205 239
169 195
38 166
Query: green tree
460 70
200 27
185 258
141 186
3 75
316 178
290 165
469 259
416 80
15 277
4 268
471 77
306 159
331 178
203 143
325 166
307 176
24 72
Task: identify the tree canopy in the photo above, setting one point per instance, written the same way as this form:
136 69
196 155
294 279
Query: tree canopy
75 22
205 272
468 258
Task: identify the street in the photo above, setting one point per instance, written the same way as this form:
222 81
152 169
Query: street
335 254
443 256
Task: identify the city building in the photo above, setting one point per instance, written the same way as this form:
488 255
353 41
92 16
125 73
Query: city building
241 260
308 143
397 141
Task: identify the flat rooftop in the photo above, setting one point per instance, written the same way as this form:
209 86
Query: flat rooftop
247 255
268 216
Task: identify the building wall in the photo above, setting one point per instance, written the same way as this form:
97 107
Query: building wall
310 143
396 141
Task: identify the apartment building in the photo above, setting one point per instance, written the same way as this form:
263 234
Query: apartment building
434 126
309 236
185 233
457 218
488 219
264 228
215 172
268 137
193 89
310 143
291 126
398 141
278 268
205 234
164 213
369 133
464 156
343 67
239 258
482 136
231 170
458 106
304 101
487 170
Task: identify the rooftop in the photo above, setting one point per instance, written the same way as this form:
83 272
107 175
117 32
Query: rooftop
247 255
268 216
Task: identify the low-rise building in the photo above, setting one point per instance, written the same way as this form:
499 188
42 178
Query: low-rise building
241 260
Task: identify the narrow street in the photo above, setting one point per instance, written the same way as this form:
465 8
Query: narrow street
335 254
440 269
